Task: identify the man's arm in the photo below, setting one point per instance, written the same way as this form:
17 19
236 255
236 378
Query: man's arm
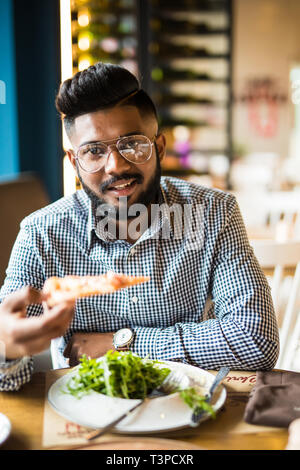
22 337
24 331
244 332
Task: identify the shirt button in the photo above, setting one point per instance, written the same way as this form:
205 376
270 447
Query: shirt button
134 300
132 251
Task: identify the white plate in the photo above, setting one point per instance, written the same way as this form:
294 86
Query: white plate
157 415
5 428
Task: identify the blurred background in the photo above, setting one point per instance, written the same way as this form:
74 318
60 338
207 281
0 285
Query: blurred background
224 74
225 77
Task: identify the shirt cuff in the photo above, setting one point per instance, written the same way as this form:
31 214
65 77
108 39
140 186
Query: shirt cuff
12 366
145 340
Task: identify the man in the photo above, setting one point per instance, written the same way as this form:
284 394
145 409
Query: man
193 245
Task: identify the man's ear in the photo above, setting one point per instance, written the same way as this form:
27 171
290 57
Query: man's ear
161 146
71 158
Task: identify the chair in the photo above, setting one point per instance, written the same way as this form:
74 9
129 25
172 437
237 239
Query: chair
280 257
20 197
273 214
283 214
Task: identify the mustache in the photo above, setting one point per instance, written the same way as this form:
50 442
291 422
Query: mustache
125 176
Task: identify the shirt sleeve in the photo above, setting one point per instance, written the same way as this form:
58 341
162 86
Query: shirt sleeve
243 333
24 268
14 374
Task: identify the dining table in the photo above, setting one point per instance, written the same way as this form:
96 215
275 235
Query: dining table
37 426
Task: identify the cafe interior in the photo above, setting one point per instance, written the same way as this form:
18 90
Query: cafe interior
225 78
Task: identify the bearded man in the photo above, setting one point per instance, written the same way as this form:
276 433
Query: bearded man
207 302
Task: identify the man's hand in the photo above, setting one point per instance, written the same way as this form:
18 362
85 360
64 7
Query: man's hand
91 344
26 336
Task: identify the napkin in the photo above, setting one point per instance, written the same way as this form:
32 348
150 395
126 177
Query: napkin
275 399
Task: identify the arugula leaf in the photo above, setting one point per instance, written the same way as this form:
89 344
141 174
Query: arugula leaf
117 374
197 402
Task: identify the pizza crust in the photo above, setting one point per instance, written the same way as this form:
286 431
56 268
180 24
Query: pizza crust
62 289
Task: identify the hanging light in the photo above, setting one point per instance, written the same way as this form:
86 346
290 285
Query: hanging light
84 41
83 18
84 62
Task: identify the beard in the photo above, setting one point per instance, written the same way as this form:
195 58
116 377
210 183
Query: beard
148 196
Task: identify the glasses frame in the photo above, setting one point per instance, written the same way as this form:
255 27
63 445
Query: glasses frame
109 150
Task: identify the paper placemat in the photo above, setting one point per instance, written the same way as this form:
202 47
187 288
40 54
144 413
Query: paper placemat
58 432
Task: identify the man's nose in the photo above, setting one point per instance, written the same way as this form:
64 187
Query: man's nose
115 163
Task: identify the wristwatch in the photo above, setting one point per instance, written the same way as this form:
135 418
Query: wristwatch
122 339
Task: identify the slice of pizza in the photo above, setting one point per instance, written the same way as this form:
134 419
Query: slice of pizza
61 289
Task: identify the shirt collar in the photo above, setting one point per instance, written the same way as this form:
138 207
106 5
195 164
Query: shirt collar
163 217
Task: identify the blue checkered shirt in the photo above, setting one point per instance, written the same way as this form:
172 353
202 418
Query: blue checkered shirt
208 302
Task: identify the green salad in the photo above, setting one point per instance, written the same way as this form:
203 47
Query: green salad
117 374
126 375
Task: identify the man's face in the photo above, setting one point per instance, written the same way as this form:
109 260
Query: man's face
116 170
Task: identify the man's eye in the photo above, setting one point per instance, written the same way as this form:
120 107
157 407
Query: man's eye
129 146
133 144
94 151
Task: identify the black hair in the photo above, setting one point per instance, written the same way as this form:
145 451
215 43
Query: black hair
100 86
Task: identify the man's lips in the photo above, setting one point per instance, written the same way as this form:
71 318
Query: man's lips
121 184
122 188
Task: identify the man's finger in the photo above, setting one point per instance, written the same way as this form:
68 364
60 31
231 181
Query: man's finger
56 321
58 316
21 298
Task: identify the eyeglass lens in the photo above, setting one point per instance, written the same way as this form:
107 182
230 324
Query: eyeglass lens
136 149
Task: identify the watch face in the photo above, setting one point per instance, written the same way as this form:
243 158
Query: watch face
122 337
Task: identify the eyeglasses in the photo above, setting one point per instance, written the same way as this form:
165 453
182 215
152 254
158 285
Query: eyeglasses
134 148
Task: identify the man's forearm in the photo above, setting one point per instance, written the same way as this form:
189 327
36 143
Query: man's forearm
210 345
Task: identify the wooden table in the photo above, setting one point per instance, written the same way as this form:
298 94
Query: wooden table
25 409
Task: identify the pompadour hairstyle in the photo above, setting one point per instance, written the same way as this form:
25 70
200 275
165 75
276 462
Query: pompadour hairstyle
100 86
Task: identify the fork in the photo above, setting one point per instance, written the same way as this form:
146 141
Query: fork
197 415
173 381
